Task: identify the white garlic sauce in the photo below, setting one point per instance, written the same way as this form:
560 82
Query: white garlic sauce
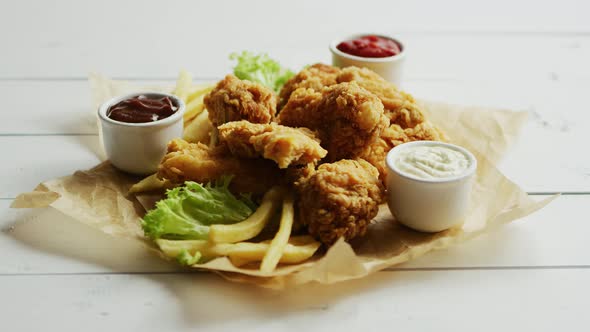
432 162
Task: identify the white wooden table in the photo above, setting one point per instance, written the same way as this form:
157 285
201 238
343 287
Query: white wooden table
532 275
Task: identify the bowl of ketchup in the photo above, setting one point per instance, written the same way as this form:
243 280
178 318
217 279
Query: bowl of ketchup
384 55
136 128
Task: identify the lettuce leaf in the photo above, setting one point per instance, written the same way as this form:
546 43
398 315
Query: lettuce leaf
187 211
260 68
185 258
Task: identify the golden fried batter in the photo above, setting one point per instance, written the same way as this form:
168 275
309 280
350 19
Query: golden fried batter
395 135
302 109
285 145
197 162
234 100
347 117
314 77
399 106
340 200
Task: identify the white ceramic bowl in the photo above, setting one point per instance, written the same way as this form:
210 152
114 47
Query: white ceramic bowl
138 148
428 205
390 68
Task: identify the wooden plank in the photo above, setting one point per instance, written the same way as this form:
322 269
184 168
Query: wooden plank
34 159
525 300
430 56
46 241
453 39
548 146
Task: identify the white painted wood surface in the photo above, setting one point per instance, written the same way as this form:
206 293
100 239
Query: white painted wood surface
521 55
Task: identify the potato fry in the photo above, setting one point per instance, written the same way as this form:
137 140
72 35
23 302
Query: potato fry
199 90
199 129
183 85
193 109
253 225
150 183
281 239
237 261
242 253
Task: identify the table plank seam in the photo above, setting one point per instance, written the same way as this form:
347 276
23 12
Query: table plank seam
485 268
45 134
391 269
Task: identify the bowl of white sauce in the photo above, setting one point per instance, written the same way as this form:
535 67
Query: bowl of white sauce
429 184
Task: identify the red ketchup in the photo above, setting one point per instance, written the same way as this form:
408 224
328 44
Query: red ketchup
370 47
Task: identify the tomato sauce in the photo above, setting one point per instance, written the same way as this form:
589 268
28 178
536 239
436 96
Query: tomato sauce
370 47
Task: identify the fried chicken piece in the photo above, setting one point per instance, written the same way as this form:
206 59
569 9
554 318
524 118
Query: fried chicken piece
339 200
395 135
302 109
234 100
400 107
347 117
197 162
285 145
314 77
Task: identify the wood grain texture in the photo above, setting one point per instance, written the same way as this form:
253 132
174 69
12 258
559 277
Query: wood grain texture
451 38
529 300
521 55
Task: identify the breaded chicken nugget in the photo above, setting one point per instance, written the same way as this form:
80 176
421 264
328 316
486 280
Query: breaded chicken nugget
339 200
233 99
197 162
285 145
347 117
314 77
400 107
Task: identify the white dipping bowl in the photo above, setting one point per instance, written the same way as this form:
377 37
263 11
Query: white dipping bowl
390 68
428 205
138 148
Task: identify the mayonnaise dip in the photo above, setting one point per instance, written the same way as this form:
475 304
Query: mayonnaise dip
431 162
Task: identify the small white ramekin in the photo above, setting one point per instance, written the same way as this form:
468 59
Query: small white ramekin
390 68
138 148
428 205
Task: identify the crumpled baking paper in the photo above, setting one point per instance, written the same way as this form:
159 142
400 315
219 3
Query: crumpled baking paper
98 197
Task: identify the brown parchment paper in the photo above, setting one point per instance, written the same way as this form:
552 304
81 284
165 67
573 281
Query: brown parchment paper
98 197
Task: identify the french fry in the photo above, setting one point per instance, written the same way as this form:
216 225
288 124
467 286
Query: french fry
183 85
199 129
281 239
199 90
193 109
253 225
241 253
150 183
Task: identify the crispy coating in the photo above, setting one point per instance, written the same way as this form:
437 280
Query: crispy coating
339 200
395 135
399 106
407 121
197 162
347 117
234 99
285 145
302 109
314 77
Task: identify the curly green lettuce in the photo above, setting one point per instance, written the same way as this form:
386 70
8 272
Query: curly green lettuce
185 258
187 211
260 68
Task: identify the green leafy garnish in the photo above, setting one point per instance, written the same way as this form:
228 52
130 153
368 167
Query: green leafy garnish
260 68
187 211
185 258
